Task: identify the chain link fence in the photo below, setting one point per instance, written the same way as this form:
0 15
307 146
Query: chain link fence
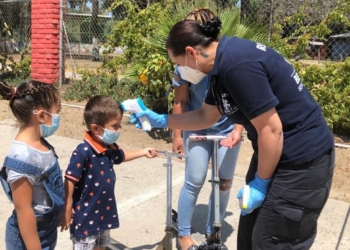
14 27
87 24
316 29
86 27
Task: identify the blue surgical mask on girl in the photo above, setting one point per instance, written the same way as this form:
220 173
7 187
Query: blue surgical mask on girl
109 137
45 130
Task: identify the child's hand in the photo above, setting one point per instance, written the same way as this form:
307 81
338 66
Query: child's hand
66 218
150 152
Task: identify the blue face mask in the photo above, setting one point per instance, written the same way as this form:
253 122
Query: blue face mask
45 130
109 137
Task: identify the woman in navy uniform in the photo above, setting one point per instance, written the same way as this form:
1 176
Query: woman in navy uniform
291 169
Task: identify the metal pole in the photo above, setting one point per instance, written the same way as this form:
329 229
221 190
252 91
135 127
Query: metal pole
169 227
166 242
61 63
215 181
270 21
343 228
216 194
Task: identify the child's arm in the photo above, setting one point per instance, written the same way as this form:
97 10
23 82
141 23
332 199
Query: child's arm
147 152
22 193
72 175
66 217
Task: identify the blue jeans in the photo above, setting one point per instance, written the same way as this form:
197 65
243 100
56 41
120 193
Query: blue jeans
47 234
199 154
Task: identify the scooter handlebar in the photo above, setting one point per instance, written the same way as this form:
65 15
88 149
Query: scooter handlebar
195 137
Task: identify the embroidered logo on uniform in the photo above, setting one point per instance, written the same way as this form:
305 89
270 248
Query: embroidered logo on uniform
297 80
228 107
261 46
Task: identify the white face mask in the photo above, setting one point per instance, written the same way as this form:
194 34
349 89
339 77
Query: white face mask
193 76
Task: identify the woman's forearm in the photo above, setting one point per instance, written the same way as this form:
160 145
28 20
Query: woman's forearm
198 119
270 144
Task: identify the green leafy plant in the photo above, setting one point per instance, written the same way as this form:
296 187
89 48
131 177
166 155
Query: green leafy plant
13 71
155 69
306 27
102 83
329 85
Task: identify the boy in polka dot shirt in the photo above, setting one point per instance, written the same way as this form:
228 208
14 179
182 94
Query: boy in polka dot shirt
90 177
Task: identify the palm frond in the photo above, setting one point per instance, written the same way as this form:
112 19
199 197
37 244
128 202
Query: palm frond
230 20
231 26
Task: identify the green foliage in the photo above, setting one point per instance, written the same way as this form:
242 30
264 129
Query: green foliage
153 73
144 39
129 32
306 27
14 71
329 85
103 83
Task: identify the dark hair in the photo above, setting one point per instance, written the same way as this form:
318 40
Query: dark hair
201 15
29 96
192 32
101 109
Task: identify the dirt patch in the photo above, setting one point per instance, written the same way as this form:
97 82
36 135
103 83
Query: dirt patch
72 126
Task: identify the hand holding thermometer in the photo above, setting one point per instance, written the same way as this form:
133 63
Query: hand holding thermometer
135 106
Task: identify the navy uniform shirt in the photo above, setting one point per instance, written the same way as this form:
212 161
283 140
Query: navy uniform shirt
249 79
195 101
91 168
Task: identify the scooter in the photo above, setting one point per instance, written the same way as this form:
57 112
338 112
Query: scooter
215 242
171 229
171 215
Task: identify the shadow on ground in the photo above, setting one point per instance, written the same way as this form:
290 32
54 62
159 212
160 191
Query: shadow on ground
161 134
199 222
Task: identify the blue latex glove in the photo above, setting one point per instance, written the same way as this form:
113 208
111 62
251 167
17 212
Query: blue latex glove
156 120
258 191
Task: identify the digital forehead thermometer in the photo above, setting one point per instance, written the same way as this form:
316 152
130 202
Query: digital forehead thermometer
136 106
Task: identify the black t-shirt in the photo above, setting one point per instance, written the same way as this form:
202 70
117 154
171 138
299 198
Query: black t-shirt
249 79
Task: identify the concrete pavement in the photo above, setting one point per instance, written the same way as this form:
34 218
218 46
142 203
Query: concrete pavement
141 196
